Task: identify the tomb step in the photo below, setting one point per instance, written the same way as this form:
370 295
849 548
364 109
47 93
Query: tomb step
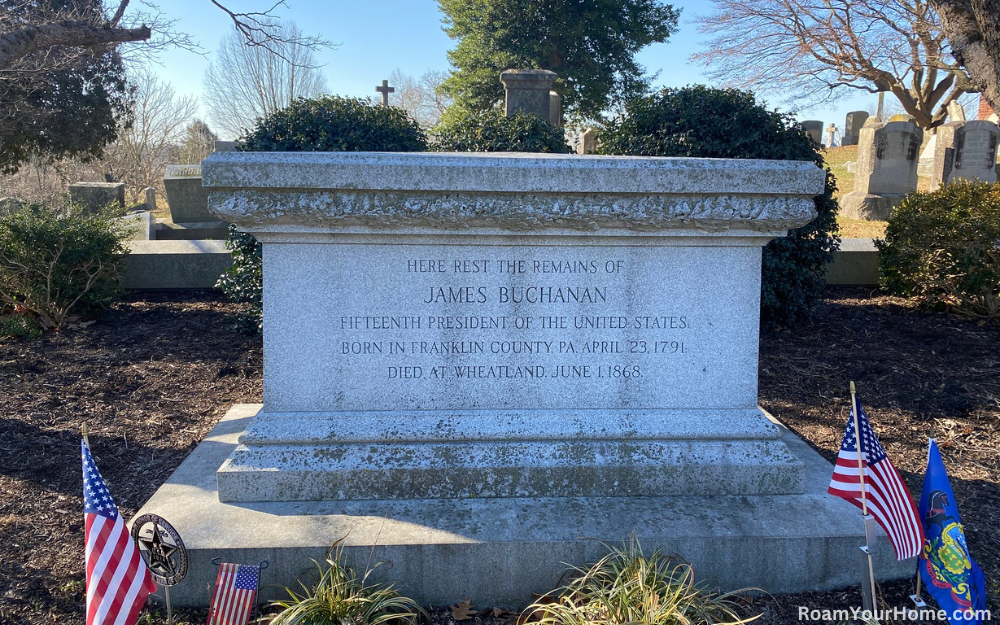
500 551
580 468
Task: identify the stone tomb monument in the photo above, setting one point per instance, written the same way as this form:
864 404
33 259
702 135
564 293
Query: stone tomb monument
965 151
886 169
530 91
188 202
93 196
477 364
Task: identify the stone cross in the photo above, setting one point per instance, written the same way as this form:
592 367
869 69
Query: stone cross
831 130
385 90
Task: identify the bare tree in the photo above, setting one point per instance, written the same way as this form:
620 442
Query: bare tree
63 91
244 83
140 155
197 143
810 48
120 22
973 29
420 97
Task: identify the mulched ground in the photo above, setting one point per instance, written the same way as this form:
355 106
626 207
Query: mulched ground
153 379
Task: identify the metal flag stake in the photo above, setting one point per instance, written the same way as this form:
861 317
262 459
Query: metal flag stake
871 544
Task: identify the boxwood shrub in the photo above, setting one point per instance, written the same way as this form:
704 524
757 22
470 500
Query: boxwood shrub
323 124
699 121
494 132
943 249
56 263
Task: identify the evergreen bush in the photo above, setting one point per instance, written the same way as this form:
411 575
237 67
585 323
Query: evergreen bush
323 124
494 132
943 249
58 263
727 123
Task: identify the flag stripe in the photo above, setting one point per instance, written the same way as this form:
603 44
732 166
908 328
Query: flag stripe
233 599
887 498
118 581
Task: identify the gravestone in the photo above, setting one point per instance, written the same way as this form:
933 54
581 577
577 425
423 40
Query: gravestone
529 91
555 109
588 142
94 196
188 203
886 170
814 129
926 163
965 151
188 200
150 197
852 127
226 146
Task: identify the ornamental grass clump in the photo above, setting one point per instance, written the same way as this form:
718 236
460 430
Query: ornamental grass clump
627 587
943 250
340 597
59 264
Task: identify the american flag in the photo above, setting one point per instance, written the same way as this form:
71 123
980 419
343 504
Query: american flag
888 499
118 581
235 590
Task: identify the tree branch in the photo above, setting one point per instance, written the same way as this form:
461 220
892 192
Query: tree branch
19 43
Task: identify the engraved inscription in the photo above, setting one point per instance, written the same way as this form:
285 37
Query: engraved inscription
540 320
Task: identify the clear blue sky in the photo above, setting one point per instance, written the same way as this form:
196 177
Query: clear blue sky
377 36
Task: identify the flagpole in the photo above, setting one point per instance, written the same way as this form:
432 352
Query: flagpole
917 600
83 430
868 582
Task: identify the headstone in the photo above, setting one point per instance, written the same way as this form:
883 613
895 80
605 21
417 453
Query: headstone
926 163
94 196
188 200
139 225
886 169
529 91
965 151
588 142
814 129
955 112
226 146
852 127
150 196
555 109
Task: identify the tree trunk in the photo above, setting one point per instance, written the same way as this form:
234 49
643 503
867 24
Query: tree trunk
973 30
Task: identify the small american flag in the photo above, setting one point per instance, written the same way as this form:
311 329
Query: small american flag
887 497
118 581
235 590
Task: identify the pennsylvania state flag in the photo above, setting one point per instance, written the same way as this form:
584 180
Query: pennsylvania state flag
952 578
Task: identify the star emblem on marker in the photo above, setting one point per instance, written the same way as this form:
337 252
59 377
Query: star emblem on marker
159 553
